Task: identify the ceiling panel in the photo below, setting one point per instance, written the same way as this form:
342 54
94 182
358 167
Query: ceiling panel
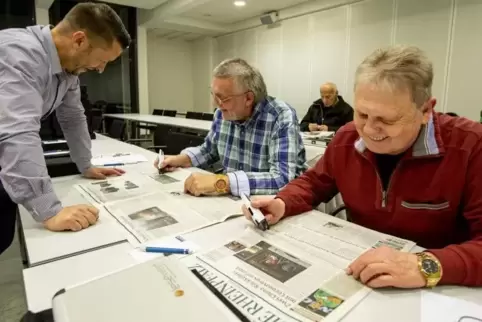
224 11
143 4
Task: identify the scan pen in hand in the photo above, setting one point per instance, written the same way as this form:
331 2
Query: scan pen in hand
161 160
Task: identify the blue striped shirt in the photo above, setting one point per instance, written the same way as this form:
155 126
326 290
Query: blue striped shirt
260 155
32 85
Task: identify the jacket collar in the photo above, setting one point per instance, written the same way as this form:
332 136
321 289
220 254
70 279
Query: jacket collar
52 51
428 142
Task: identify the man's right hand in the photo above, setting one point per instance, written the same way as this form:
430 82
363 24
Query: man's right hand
73 218
313 127
171 162
273 209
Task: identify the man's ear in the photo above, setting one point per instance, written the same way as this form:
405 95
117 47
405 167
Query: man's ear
427 109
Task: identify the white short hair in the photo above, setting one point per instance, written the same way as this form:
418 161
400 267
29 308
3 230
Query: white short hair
244 75
401 68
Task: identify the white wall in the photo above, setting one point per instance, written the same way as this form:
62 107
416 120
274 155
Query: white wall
303 52
41 16
170 75
202 66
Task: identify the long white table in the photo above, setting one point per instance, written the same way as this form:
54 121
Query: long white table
199 125
45 279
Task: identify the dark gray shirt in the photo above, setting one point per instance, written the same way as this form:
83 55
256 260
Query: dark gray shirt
32 85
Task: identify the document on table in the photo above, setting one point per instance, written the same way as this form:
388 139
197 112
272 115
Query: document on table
163 214
442 308
293 272
118 158
318 135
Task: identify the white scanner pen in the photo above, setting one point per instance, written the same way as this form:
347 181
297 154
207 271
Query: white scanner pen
256 214
161 160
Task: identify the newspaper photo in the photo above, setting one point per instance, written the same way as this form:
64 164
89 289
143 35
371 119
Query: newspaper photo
169 180
297 267
156 216
118 188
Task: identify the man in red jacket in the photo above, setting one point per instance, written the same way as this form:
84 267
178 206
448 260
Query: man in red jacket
404 170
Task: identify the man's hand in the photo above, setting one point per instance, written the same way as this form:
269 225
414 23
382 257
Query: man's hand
102 173
73 218
172 162
313 127
322 127
199 184
273 209
384 267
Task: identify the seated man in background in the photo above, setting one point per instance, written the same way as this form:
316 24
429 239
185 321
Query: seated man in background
329 113
403 170
256 137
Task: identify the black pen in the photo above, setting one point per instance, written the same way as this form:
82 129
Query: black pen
218 294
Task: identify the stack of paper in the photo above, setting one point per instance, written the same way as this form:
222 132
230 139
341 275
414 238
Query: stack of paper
118 159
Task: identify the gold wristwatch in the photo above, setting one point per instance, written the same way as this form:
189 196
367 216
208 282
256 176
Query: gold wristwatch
221 184
430 268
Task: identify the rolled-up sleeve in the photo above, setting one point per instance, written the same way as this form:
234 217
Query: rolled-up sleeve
23 171
71 117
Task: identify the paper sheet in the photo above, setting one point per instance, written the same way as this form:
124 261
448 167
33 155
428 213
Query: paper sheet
442 308
125 158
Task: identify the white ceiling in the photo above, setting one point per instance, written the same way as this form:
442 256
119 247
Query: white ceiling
142 4
223 11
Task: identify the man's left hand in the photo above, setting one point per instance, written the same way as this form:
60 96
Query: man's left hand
199 184
102 173
385 267
322 128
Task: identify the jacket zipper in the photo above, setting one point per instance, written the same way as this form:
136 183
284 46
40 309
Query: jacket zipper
384 192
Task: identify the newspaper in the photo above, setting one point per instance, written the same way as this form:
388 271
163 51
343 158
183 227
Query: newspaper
118 188
293 272
117 159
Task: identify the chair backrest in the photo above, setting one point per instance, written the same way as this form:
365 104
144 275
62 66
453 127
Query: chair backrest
157 112
194 115
162 135
178 141
208 116
117 129
97 123
171 113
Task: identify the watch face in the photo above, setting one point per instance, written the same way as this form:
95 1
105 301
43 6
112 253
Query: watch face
429 266
220 184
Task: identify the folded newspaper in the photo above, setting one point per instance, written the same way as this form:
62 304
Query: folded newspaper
295 271
151 212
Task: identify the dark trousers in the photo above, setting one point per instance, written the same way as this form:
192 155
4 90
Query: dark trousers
8 215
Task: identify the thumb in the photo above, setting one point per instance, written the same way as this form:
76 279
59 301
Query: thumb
260 203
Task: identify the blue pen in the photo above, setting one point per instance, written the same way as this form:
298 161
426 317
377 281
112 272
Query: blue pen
166 250
113 164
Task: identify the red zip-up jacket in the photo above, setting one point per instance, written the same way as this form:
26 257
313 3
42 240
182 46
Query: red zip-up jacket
434 196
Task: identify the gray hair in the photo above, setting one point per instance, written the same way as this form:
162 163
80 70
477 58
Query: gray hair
400 67
244 75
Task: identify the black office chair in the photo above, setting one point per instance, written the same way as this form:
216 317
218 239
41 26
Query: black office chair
162 135
171 113
97 123
194 115
208 116
117 129
157 112
178 141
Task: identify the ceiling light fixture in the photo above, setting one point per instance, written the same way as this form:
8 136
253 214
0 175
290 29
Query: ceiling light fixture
240 3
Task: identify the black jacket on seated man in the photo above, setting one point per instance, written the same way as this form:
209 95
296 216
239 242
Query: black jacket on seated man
333 117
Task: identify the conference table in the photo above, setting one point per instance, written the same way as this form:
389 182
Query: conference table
57 260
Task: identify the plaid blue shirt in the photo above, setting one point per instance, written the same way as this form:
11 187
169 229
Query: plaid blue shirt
260 155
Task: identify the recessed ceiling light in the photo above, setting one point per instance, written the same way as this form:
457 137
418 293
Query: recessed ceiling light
240 3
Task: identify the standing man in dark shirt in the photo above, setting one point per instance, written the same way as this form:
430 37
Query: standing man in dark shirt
328 113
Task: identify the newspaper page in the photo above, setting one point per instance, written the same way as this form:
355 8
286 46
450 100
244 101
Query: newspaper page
118 188
292 273
156 216
168 180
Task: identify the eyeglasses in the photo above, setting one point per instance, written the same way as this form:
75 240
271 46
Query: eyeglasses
220 101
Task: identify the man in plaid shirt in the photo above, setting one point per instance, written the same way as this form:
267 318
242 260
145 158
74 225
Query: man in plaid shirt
256 137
